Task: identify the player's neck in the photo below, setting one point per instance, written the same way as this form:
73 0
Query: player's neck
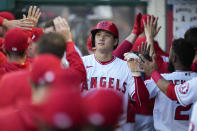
20 60
103 57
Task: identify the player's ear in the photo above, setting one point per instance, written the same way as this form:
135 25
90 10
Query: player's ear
116 42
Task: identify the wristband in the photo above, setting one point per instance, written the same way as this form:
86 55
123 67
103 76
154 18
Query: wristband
136 74
156 76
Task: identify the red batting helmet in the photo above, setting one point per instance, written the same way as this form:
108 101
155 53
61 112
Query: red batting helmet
107 26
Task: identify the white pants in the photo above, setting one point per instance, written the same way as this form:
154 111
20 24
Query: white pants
126 127
143 123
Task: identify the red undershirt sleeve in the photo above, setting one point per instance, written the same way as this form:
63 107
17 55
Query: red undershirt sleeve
171 92
75 61
124 47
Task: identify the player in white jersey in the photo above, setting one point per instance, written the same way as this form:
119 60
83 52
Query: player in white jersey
193 121
168 114
105 70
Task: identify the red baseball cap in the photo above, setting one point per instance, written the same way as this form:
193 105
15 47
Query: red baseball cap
7 15
17 40
44 69
37 32
68 77
103 107
62 109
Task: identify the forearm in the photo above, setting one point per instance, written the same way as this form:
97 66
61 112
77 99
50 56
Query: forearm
125 46
150 42
160 81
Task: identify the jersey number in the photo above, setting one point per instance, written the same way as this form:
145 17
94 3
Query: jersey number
179 109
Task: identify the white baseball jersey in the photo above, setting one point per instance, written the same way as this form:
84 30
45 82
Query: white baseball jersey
187 93
193 121
170 115
114 74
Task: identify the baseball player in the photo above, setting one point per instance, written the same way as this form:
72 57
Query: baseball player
51 43
176 117
105 70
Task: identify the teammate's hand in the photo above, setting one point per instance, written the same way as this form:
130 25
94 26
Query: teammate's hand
133 63
62 27
151 29
145 50
33 15
148 66
9 24
136 27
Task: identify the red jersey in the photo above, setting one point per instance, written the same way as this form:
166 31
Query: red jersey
18 118
14 86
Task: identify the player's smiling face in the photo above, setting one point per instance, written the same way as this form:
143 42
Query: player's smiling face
104 41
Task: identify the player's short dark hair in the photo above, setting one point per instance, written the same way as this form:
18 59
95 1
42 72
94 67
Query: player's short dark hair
52 43
18 54
191 36
184 51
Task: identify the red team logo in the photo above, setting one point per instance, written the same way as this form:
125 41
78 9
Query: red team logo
184 89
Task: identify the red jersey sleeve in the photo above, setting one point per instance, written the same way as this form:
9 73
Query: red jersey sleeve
124 47
171 92
75 61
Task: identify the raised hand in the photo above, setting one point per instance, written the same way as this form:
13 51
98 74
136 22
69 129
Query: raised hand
136 27
133 63
151 29
148 66
9 24
33 15
62 27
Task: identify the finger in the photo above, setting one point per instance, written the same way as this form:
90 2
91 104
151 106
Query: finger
138 49
66 24
24 16
143 58
154 58
151 20
155 21
26 28
148 22
57 24
158 29
34 11
60 21
145 25
148 49
142 48
145 48
37 12
29 12
38 16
